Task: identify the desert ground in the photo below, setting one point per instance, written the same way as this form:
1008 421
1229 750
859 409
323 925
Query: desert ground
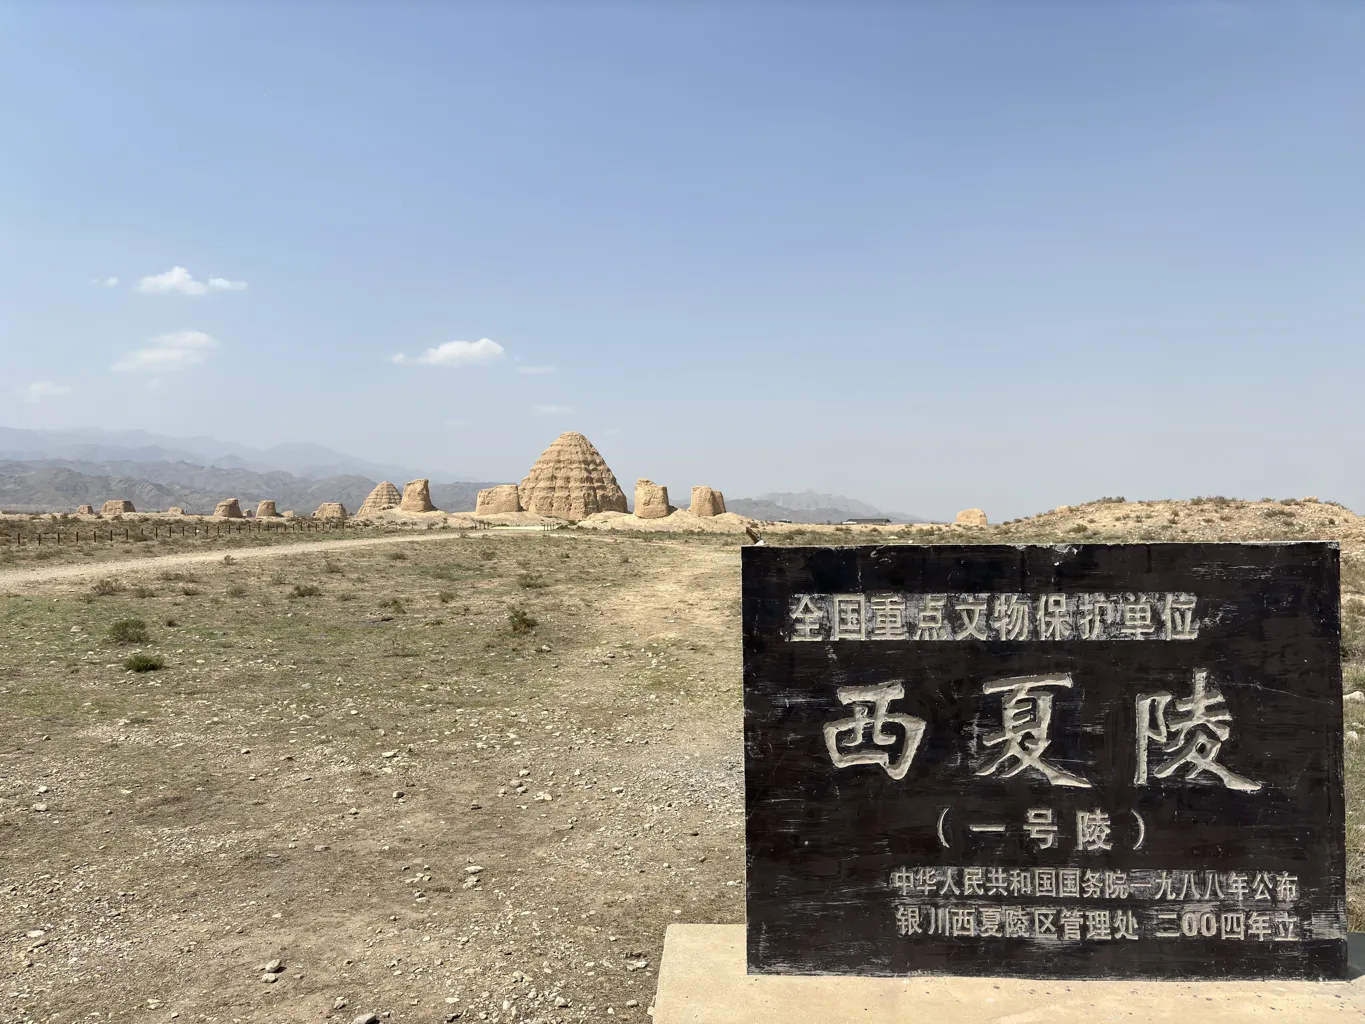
424 775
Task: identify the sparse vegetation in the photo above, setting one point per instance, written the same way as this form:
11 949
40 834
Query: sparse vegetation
128 631
106 587
143 663
519 620
306 590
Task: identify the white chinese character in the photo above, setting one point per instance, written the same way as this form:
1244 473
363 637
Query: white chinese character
1177 612
1069 883
948 882
1092 831
972 881
887 620
1287 888
1026 717
1234 924
808 619
997 882
1092 884
1193 736
1258 925
1021 882
1115 885
964 920
1054 617
1096 612
1011 618
907 920
903 880
1070 920
1237 886
990 922
971 607
1016 923
849 620
1097 925
1041 827
1044 921
1045 881
1125 924
1168 916
1286 928
1135 617
1261 886
861 724
930 625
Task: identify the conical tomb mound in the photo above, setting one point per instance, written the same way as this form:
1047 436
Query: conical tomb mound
384 496
571 480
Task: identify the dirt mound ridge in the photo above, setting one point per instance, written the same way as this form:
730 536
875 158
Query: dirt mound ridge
384 496
417 496
229 508
571 480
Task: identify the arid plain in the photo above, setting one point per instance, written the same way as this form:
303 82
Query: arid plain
425 775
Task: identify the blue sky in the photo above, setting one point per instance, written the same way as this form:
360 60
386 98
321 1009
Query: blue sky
931 256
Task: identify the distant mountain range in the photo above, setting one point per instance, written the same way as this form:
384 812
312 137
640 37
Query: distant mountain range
811 507
61 485
93 445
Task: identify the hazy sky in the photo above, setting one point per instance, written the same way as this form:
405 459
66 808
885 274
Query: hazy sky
931 256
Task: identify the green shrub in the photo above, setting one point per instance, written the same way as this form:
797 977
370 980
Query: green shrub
520 620
144 592
306 590
236 590
531 581
190 591
143 663
106 587
331 567
396 556
129 631
445 597
395 604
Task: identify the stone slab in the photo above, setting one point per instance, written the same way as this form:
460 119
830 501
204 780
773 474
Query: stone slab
702 980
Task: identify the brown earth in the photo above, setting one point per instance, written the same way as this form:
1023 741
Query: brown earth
299 781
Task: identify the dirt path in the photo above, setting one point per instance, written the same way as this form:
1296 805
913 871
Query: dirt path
46 574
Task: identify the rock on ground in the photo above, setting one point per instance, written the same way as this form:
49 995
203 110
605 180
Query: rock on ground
493 500
651 500
417 496
707 501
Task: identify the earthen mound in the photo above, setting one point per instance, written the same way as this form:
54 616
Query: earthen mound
175 510
651 500
86 510
385 496
117 507
331 510
266 510
229 509
971 517
495 500
417 497
571 480
707 502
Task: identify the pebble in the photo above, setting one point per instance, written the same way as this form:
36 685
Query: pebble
274 967
339 1003
1355 695
367 1018
39 807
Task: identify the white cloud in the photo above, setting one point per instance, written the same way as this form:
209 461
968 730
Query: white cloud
551 410
177 350
178 279
105 282
456 353
536 371
41 389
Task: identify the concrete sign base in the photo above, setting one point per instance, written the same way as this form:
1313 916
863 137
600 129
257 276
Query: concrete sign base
702 980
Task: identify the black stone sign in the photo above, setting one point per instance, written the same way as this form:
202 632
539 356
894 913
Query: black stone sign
1100 761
